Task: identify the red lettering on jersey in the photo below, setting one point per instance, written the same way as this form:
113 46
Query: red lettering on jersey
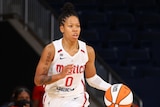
59 68
76 69
81 69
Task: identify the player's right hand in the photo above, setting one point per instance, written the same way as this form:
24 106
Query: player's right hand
67 70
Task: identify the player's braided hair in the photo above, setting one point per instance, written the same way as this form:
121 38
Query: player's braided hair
67 10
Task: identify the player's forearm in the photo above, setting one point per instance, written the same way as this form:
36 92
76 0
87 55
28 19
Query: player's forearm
44 79
98 82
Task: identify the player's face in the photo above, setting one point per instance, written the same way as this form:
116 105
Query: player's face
71 28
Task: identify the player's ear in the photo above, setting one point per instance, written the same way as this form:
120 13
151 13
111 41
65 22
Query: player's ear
62 29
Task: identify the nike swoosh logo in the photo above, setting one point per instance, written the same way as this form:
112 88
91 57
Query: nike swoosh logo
75 98
61 58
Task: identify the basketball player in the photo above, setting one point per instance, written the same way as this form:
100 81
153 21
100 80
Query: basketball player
65 62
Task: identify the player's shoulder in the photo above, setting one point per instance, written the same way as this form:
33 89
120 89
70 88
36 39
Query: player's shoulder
49 46
90 49
52 44
49 49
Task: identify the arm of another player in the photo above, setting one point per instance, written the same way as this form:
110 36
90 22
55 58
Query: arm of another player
90 72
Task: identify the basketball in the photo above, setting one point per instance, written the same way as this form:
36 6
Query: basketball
118 95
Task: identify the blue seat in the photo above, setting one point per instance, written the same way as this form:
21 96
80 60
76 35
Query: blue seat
88 16
149 71
120 17
91 37
83 2
148 35
115 39
144 19
112 5
142 5
138 57
153 26
134 57
146 38
130 27
127 72
98 24
109 55
156 52
111 2
141 87
85 5
149 17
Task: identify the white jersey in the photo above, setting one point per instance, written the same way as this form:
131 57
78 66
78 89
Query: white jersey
73 83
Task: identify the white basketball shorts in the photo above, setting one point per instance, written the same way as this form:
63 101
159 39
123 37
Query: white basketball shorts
81 100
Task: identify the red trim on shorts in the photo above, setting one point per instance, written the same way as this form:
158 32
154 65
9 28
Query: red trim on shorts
85 98
83 85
